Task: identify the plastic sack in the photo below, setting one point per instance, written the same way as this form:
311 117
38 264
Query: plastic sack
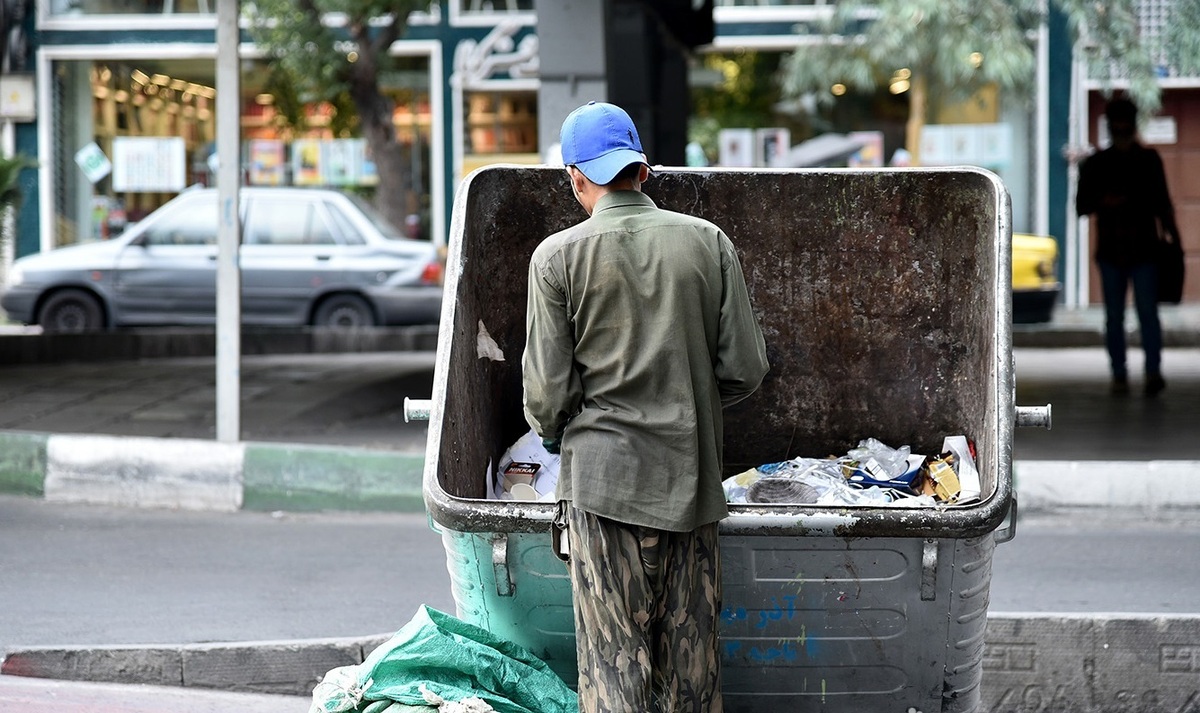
968 474
880 460
540 467
456 661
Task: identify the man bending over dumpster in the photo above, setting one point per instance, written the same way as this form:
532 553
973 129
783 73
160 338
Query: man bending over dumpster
639 331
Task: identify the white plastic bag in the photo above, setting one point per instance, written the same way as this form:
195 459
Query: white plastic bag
968 474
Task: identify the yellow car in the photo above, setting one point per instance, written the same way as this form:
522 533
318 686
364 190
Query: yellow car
1035 284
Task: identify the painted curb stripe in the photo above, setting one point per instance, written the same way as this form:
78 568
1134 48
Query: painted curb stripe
299 478
144 472
203 474
22 463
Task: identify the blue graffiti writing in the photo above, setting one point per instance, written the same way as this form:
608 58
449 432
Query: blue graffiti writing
777 612
786 651
731 615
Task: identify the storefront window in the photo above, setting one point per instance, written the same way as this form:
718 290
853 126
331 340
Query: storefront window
132 7
489 7
130 135
501 126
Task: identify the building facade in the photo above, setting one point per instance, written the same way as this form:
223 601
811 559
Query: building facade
125 97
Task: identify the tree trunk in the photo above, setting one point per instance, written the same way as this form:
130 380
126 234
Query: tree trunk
391 195
375 117
917 101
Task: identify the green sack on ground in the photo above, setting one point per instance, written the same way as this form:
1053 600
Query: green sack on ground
454 660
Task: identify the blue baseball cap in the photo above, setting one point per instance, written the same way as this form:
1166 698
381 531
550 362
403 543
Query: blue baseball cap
600 140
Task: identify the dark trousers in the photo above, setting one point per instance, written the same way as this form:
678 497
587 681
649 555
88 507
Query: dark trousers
647 610
1115 282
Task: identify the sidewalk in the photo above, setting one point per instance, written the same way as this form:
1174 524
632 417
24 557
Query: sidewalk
1084 327
42 695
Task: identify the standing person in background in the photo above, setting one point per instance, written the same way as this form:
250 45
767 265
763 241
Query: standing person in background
639 331
1125 187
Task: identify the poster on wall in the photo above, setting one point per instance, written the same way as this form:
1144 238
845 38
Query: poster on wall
369 174
342 162
771 145
266 162
736 147
306 162
871 153
146 164
986 145
332 162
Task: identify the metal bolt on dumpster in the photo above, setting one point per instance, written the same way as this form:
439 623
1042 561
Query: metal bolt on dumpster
884 299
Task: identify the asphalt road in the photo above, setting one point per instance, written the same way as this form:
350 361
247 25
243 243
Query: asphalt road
73 575
83 575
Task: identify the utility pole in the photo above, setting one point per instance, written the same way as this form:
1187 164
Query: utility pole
229 228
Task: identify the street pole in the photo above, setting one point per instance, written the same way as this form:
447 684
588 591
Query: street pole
1041 221
229 229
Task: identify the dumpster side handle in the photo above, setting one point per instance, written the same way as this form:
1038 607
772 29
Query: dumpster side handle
504 583
1033 417
417 409
929 562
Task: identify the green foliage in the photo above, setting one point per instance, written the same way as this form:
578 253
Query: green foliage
955 46
310 61
1108 34
1183 37
10 187
747 91
935 39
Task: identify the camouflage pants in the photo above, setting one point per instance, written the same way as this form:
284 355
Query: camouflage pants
647 605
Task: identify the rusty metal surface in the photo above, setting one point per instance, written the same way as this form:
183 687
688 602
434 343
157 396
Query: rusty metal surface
883 300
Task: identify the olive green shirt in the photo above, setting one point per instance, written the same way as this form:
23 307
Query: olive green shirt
639 330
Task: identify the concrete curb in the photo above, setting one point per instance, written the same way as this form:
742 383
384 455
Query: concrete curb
1148 485
1086 663
277 667
195 474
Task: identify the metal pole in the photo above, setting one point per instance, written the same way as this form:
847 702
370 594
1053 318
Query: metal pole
8 233
1041 223
229 230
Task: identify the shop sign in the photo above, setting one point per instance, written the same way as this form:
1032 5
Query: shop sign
149 164
17 97
94 163
1160 130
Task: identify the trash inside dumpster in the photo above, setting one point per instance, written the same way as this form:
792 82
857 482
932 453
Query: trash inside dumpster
884 300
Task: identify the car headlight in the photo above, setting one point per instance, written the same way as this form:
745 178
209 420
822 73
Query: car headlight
15 276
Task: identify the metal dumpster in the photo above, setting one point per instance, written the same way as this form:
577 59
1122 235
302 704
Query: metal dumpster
884 299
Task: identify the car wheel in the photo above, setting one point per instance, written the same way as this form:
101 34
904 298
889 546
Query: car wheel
344 312
71 311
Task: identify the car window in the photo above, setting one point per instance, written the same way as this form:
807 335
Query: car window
351 235
191 223
286 222
381 224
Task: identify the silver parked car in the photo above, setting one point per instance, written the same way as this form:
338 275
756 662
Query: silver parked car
308 257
